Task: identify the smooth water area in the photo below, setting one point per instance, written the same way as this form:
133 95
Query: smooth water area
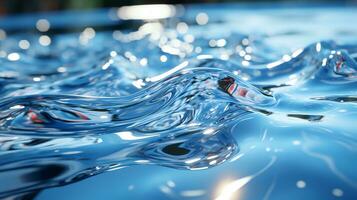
203 102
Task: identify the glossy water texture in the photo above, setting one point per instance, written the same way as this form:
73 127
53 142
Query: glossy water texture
205 103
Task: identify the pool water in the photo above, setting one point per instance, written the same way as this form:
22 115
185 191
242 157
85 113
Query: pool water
228 101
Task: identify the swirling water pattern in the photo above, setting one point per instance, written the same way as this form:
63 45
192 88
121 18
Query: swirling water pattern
165 106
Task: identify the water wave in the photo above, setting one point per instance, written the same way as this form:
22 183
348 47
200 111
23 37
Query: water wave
74 113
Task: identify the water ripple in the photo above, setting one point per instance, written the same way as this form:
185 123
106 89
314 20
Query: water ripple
73 111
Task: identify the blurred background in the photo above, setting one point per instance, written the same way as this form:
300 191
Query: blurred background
21 6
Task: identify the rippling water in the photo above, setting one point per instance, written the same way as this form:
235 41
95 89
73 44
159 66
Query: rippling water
205 103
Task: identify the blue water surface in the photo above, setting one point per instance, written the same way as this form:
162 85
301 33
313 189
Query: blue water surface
227 101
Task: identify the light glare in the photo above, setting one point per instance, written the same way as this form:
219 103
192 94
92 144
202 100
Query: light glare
146 12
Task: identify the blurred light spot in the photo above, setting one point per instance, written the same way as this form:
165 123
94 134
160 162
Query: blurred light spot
192 193
13 56
36 79
337 192
202 18
171 50
198 50
175 43
171 184
301 184
87 34
182 27
113 53
247 57
296 142
245 42
130 56
212 43
224 57
24 44
146 12
44 40
189 38
245 63
228 190
163 58
61 69
221 43
318 47
242 53
2 34
143 61
43 25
